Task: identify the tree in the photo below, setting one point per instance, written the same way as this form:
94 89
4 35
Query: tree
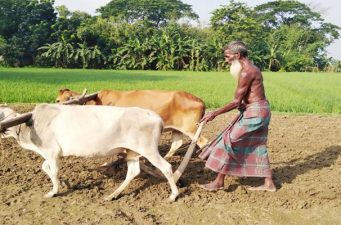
3 46
26 25
296 33
67 25
276 13
63 12
237 21
156 11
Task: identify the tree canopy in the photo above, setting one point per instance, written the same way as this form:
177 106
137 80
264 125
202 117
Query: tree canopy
155 11
25 25
150 34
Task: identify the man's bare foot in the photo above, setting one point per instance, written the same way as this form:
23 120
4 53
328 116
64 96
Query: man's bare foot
211 187
264 187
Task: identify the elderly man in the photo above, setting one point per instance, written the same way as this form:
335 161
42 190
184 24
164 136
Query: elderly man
240 150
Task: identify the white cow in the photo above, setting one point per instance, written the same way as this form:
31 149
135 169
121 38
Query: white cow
180 111
62 130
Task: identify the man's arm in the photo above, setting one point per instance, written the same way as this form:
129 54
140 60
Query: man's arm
244 82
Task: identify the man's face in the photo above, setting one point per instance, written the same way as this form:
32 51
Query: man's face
230 56
233 60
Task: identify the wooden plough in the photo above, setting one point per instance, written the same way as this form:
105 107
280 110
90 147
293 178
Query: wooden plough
188 155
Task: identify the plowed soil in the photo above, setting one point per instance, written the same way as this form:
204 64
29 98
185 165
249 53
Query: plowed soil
305 152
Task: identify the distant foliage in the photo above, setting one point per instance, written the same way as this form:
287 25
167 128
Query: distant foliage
154 35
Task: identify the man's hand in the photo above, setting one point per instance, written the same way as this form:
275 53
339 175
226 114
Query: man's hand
242 107
208 117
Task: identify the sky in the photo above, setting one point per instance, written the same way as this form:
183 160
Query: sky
330 10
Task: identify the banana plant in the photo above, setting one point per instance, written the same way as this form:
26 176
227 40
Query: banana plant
60 52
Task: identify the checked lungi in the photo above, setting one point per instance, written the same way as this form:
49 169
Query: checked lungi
240 149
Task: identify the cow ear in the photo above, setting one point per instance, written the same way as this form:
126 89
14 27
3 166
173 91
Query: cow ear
61 91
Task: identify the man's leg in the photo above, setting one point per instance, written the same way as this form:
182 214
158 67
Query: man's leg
215 185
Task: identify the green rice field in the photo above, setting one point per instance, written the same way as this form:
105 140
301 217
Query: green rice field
287 92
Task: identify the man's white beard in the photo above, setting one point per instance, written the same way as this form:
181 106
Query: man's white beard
236 69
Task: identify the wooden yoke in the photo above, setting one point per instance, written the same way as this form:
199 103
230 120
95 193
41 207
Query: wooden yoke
24 118
82 99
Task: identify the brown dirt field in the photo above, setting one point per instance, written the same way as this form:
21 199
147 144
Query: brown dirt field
305 152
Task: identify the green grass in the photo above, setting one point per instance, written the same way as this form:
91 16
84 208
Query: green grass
287 92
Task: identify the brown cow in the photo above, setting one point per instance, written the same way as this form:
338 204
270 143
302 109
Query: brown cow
179 110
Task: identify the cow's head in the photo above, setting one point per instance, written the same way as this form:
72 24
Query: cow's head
2 116
6 114
66 95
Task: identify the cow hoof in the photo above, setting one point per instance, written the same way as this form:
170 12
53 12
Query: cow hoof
110 198
171 198
49 195
167 157
104 164
181 183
